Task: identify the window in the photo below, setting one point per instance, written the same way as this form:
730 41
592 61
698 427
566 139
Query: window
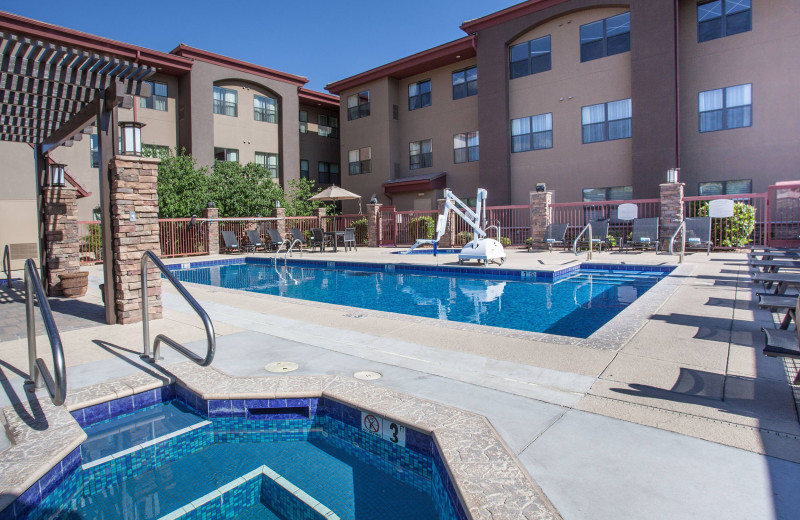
419 95
328 173
606 37
225 101
532 133
360 160
726 108
94 152
358 105
465 147
304 169
226 155
613 193
420 154
155 150
265 109
328 126
158 97
303 122
726 187
268 161
465 83
723 18
530 57
606 121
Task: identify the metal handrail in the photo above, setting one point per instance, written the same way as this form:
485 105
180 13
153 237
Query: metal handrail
161 338
7 262
496 225
38 372
683 241
289 251
577 239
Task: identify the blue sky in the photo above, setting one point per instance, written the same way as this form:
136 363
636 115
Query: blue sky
323 41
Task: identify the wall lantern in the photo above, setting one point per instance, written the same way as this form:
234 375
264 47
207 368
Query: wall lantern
541 187
56 174
131 133
672 174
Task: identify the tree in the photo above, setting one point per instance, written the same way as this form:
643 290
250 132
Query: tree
244 191
297 203
182 187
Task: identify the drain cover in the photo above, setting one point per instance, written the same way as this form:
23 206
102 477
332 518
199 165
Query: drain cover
281 366
367 375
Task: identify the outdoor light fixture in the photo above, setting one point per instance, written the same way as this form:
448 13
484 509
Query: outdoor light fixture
672 174
277 204
131 142
56 174
540 187
211 205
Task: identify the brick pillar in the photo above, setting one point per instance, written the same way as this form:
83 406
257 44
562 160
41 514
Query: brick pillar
320 214
373 227
449 237
133 189
671 210
280 214
62 248
212 230
541 214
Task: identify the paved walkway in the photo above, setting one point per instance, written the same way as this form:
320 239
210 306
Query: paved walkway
685 419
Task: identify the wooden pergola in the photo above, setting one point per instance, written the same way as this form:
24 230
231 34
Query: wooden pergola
56 83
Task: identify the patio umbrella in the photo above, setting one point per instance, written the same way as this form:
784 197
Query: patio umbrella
334 193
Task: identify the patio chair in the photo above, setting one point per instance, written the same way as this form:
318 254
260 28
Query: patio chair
300 237
645 233
599 234
350 238
783 343
555 234
698 233
254 239
318 239
229 242
276 240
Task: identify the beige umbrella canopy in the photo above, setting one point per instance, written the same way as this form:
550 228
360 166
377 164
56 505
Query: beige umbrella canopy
334 193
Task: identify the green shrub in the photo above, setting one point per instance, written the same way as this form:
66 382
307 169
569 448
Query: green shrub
733 231
505 241
464 237
421 227
92 242
362 233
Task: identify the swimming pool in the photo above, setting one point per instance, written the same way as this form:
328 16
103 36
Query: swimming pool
187 457
574 301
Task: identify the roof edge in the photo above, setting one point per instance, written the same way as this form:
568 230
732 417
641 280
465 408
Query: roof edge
312 96
465 45
61 35
509 13
232 63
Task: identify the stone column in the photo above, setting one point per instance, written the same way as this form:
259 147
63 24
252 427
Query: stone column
320 214
671 211
373 225
541 215
449 237
212 230
62 248
134 218
280 214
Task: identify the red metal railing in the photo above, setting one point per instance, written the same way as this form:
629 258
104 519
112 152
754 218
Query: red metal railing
340 222
578 214
240 226
183 237
783 214
388 224
90 238
304 224
411 225
721 228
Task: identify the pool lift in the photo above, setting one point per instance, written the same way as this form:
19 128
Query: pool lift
481 248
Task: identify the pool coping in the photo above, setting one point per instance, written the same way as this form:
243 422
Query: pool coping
489 480
613 335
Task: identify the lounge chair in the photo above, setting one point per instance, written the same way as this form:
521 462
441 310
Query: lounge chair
783 343
299 236
599 234
350 238
229 242
555 235
698 233
255 242
276 240
318 239
645 233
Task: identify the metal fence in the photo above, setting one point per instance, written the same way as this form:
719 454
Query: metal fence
411 225
578 214
723 231
183 237
90 238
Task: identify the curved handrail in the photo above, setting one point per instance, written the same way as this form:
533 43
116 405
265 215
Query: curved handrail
683 241
161 338
280 248
7 264
289 251
587 227
496 225
39 374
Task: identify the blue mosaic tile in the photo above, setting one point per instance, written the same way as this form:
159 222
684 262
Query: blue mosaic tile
144 399
219 408
78 416
51 480
97 413
121 406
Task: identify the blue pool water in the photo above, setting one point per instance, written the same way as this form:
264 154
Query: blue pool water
315 444
576 304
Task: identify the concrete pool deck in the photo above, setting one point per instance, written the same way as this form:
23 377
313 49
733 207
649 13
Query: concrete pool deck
684 418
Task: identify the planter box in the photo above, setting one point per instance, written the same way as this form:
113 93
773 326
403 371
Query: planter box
74 284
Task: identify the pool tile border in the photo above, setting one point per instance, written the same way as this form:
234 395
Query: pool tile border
500 489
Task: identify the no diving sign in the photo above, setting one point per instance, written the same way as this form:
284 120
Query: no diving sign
384 428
